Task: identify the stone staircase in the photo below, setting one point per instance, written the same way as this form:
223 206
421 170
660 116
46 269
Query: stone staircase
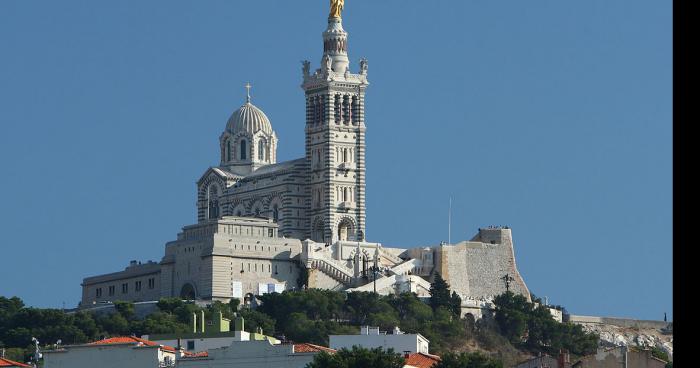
406 267
382 283
331 268
390 257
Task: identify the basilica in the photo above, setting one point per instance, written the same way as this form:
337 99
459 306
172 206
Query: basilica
265 225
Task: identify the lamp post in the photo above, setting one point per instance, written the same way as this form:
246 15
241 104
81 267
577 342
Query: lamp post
374 271
507 279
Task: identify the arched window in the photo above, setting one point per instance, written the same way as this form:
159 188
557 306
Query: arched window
244 149
345 155
317 232
345 194
345 230
275 213
261 151
213 202
228 150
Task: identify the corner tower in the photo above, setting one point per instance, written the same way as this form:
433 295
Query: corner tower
335 138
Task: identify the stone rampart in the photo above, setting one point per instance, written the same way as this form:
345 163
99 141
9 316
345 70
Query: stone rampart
620 322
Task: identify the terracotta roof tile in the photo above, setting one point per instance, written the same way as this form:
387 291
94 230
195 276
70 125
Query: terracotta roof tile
311 348
9 363
201 354
421 360
130 339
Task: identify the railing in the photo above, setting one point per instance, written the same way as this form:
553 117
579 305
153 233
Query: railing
346 204
390 256
406 267
332 269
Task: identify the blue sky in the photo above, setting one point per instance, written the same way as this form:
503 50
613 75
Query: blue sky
551 117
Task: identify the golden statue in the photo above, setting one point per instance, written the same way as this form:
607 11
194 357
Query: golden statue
336 8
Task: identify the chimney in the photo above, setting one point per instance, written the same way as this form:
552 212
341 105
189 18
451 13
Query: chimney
239 324
564 360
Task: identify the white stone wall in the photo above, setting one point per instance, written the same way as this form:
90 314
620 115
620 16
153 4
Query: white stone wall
476 267
413 343
250 354
142 284
106 356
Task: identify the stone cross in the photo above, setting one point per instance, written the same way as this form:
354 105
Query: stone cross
247 87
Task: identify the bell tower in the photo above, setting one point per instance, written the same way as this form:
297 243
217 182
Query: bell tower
335 139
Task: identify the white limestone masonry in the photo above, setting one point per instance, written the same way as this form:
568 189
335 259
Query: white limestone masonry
261 222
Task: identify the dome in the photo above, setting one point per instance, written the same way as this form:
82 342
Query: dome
249 119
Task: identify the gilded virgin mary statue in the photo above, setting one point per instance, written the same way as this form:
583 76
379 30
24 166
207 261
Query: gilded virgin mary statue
336 8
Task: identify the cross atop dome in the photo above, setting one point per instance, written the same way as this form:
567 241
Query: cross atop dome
247 87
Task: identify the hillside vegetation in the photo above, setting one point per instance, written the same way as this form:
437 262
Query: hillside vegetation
518 329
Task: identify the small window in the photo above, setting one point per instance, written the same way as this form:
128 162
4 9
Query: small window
137 286
125 288
190 345
111 290
243 150
151 283
98 292
270 233
261 151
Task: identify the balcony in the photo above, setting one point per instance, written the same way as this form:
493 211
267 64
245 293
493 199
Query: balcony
346 205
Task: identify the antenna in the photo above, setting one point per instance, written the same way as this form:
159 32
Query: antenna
449 223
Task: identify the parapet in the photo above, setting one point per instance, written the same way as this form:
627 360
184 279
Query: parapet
493 235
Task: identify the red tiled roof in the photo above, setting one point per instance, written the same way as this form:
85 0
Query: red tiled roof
311 348
201 354
130 339
9 363
421 360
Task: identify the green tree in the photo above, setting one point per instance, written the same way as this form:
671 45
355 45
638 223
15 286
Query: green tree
512 315
126 309
255 319
439 293
456 304
358 357
467 360
659 353
233 304
534 329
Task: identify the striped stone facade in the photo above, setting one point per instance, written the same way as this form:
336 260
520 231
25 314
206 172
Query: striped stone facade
261 222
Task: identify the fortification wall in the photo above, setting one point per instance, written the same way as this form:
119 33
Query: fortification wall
476 268
620 322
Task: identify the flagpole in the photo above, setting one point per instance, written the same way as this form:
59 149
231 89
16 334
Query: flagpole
449 223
